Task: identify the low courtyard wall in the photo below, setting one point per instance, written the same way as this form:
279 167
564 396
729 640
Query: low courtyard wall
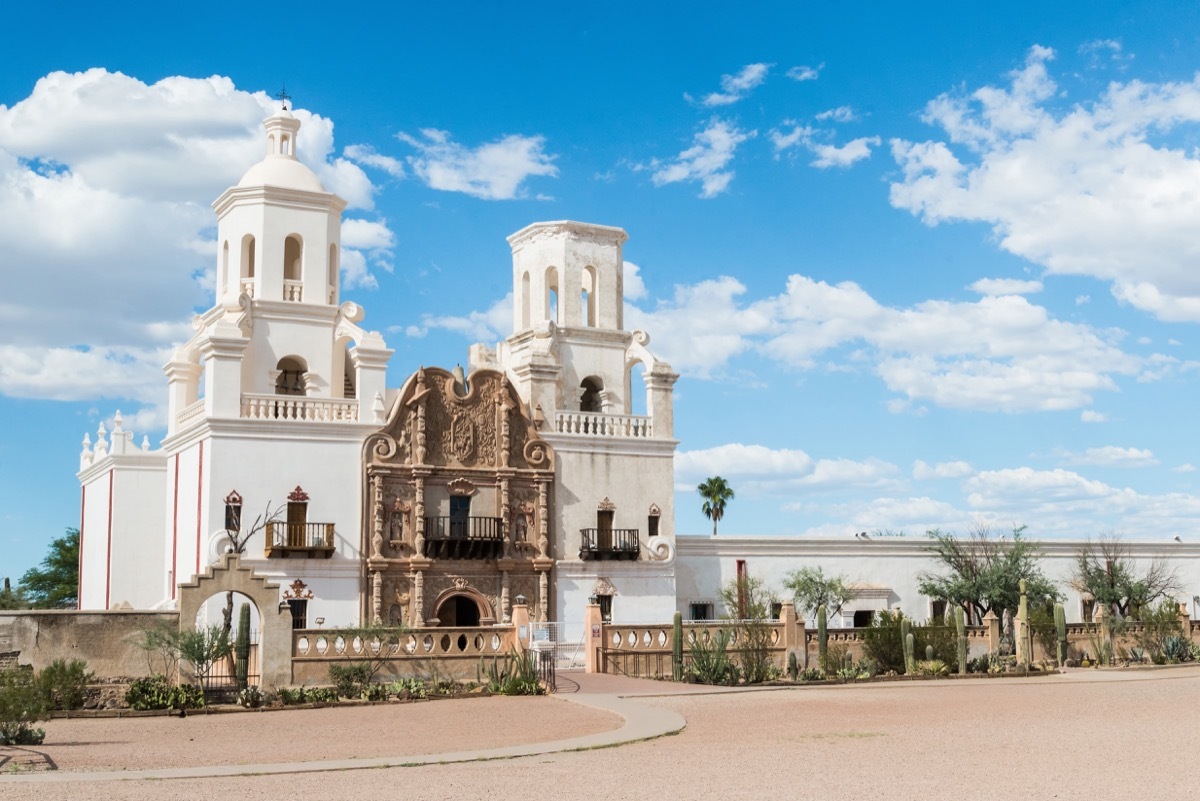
106 640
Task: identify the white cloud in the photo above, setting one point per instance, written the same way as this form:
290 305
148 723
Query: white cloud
365 154
735 87
922 471
631 281
1092 416
757 470
798 135
1112 456
367 235
1184 468
492 171
1098 188
1005 286
839 114
492 325
804 73
853 151
707 160
105 186
78 374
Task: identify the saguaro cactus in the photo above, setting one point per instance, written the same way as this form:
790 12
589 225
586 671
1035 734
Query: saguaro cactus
960 625
677 648
904 628
1060 628
822 635
241 647
910 666
1024 642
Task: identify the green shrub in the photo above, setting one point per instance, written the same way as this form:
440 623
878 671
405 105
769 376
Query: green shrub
156 692
942 638
65 683
883 643
812 674
932 667
1177 649
405 689
250 697
515 675
374 691
711 663
290 696
22 703
350 679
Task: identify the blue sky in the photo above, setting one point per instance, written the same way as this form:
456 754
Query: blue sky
922 266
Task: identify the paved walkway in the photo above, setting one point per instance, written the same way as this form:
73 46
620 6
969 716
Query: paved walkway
607 693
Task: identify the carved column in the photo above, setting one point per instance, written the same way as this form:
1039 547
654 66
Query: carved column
505 608
418 604
419 513
543 597
377 527
505 431
419 445
505 523
376 597
543 541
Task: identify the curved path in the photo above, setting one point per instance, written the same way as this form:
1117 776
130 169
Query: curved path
641 722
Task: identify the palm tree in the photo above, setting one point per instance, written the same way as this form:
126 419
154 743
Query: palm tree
716 493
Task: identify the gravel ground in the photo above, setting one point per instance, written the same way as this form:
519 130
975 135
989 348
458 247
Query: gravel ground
1088 734
310 734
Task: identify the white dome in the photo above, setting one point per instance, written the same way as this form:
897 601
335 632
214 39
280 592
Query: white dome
286 173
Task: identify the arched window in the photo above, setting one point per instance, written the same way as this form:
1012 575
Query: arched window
248 256
591 399
223 278
525 301
552 294
290 378
635 389
293 251
285 145
588 307
333 273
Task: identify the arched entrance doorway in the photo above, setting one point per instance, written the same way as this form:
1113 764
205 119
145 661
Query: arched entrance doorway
458 611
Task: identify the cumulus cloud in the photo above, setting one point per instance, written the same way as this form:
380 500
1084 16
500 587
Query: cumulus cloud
1092 416
492 171
706 162
367 155
803 73
1105 188
839 114
795 135
762 471
923 471
1112 456
492 325
631 281
844 155
105 186
735 87
1005 286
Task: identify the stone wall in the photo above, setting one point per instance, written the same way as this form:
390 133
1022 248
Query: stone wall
105 640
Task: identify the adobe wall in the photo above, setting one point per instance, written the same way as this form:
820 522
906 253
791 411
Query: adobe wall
106 640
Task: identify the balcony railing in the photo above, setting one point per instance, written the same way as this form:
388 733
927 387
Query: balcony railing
306 540
594 424
463 538
293 290
299 407
190 415
248 286
611 544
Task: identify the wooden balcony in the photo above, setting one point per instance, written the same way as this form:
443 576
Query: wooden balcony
299 540
609 544
463 538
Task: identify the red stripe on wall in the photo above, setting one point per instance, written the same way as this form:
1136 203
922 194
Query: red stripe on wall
108 556
199 498
82 511
175 532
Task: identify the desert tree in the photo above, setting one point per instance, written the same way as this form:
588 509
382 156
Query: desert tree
811 588
1105 569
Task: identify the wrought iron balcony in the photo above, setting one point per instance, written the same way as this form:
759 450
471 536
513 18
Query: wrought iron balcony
306 540
612 544
463 538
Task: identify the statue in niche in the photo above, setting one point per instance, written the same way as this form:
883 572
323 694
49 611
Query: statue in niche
396 612
522 524
397 516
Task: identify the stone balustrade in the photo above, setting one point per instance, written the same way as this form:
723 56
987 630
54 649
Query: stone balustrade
595 424
299 408
190 416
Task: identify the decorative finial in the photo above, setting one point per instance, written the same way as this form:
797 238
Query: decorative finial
283 97
145 442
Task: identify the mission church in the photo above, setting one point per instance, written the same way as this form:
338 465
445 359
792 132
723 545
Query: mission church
437 503
525 478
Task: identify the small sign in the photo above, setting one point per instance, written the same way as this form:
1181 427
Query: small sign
522 632
595 631
541 635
